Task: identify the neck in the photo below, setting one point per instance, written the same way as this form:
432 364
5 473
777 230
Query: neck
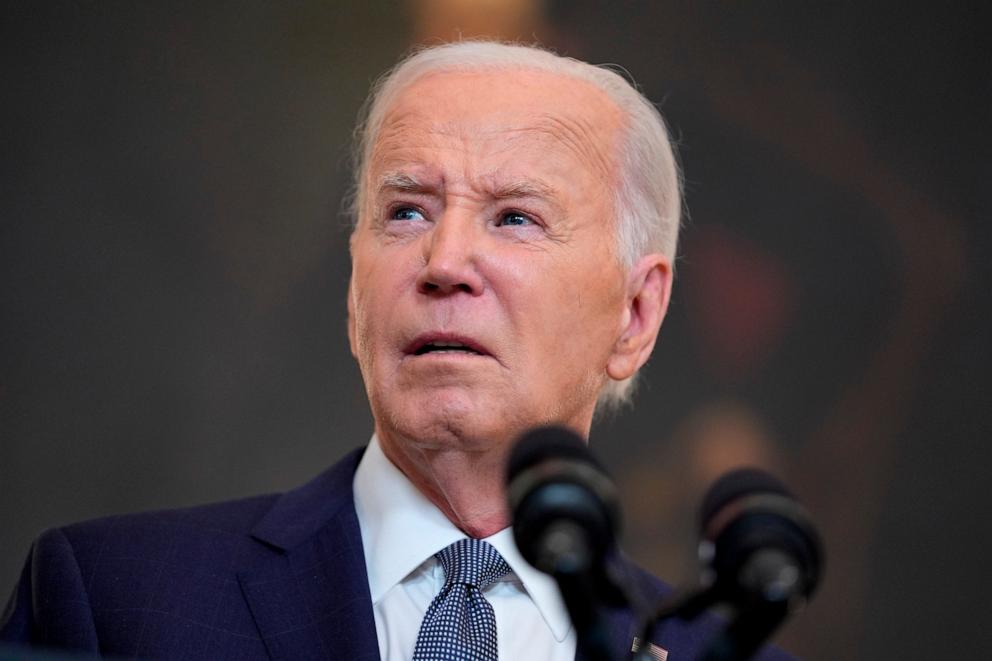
466 484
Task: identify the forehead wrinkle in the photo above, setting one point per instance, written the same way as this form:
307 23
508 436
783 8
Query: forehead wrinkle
584 139
397 126
414 128
406 144
401 131
392 128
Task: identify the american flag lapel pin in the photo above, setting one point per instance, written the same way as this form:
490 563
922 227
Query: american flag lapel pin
655 652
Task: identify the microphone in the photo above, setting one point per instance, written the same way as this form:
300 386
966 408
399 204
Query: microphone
758 543
565 518
564 506
761 556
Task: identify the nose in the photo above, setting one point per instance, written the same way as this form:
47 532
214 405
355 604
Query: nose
451 251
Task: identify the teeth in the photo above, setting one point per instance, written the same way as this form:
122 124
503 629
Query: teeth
444 347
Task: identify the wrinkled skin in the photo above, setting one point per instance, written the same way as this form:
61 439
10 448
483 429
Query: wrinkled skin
489 223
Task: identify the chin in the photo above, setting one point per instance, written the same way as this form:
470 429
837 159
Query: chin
440 420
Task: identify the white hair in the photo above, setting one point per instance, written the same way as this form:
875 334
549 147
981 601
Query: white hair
647 193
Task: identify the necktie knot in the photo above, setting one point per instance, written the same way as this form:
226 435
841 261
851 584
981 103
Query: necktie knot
472 562
460 624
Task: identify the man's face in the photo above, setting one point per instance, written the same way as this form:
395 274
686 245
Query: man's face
486 297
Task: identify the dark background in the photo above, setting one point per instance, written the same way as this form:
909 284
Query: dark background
173 265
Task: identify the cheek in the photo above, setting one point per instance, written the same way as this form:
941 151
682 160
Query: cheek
369 309
572 317
379 284
589 308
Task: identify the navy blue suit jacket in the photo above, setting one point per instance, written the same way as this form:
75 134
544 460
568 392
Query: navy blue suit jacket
271 577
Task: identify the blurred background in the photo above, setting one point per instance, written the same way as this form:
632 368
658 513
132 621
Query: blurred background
173 267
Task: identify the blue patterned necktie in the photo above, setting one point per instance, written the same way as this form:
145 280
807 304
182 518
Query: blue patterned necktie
459 624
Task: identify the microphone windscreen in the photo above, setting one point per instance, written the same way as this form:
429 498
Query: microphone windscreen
736 484
748 516
553 483
545 443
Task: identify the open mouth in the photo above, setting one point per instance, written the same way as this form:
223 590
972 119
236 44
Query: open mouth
446 347
431 343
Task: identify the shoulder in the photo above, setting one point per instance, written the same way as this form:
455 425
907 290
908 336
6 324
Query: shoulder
110 561
83 583
211 540
203 531
79 574
154 529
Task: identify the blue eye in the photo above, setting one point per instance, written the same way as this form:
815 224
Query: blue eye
514 218
406 213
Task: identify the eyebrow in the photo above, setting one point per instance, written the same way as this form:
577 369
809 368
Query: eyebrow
535 189
403 182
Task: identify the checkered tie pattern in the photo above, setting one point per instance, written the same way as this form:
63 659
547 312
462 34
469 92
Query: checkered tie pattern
459 624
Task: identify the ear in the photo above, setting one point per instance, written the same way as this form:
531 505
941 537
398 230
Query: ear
351 297
351 321
649 288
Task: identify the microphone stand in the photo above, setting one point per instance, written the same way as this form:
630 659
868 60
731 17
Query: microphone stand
592 635
686 605
564 554
742 638
738 641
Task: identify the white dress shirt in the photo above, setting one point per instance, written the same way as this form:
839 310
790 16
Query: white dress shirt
401 532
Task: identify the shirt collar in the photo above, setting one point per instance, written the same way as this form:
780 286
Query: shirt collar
542 588
401 529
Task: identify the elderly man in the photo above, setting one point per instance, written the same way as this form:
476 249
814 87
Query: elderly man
516 219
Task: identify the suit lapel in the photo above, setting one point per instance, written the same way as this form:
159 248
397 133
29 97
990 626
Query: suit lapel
620 627
310 596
